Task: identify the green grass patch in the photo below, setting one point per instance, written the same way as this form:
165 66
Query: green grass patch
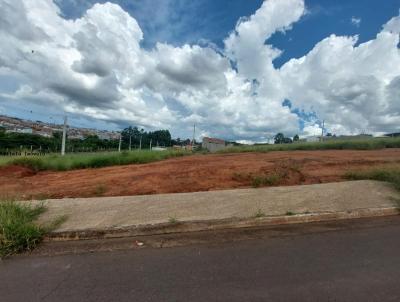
4 160
388 174
18 231
91 160
356 144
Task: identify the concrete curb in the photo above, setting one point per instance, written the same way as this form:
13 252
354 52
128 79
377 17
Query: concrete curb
217 224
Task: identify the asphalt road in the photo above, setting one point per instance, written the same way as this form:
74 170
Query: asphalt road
357 261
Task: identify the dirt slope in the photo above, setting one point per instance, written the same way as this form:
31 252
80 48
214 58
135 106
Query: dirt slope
193 173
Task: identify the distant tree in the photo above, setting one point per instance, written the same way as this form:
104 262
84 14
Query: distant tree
57 135
279 138
287 140
296 138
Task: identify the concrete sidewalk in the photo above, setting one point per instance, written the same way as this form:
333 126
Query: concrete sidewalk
135 215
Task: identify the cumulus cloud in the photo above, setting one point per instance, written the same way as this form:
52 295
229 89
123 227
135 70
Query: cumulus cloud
312 130
96 66
349 86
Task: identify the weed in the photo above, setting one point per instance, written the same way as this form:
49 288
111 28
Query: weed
18 232
259 214
257 181
289 213
172 220
388 174
240 176
100 190
42 196
266 180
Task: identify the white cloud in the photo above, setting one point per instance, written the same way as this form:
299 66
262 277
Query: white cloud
96 66
356 21
312 130
348 85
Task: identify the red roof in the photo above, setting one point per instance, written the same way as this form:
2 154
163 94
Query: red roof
214 140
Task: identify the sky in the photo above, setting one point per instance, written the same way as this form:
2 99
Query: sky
239 70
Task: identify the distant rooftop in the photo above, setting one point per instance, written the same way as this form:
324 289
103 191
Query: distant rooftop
213 140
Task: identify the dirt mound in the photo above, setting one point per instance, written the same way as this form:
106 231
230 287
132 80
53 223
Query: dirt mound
194 173
15 171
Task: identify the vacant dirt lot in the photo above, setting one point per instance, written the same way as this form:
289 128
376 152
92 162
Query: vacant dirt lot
194 173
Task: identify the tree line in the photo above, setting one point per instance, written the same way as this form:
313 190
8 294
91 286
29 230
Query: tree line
280 138
135 138
131 137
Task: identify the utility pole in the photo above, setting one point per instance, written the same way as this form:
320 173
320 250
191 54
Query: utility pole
140 143
130 142
150 143
64 136
194 133
120 142
322 130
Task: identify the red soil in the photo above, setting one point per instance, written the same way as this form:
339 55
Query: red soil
192 173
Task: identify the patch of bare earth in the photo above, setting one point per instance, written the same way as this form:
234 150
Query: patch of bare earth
193 173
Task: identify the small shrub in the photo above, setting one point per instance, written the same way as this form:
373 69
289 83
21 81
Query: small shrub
257 181
172 220
289 213
36 164
266 180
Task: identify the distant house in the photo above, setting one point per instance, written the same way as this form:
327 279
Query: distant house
20 130
312 139
213 144
347 137
158 149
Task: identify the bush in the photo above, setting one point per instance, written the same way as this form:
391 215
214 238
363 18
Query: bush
35 163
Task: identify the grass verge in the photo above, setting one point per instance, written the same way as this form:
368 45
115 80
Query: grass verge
388 174
18 231
356 144
93 160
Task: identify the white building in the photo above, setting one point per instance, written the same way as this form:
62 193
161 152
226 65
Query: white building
213 144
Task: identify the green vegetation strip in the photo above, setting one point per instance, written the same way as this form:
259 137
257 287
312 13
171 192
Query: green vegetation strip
18 231
356 144
92 160
391 175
